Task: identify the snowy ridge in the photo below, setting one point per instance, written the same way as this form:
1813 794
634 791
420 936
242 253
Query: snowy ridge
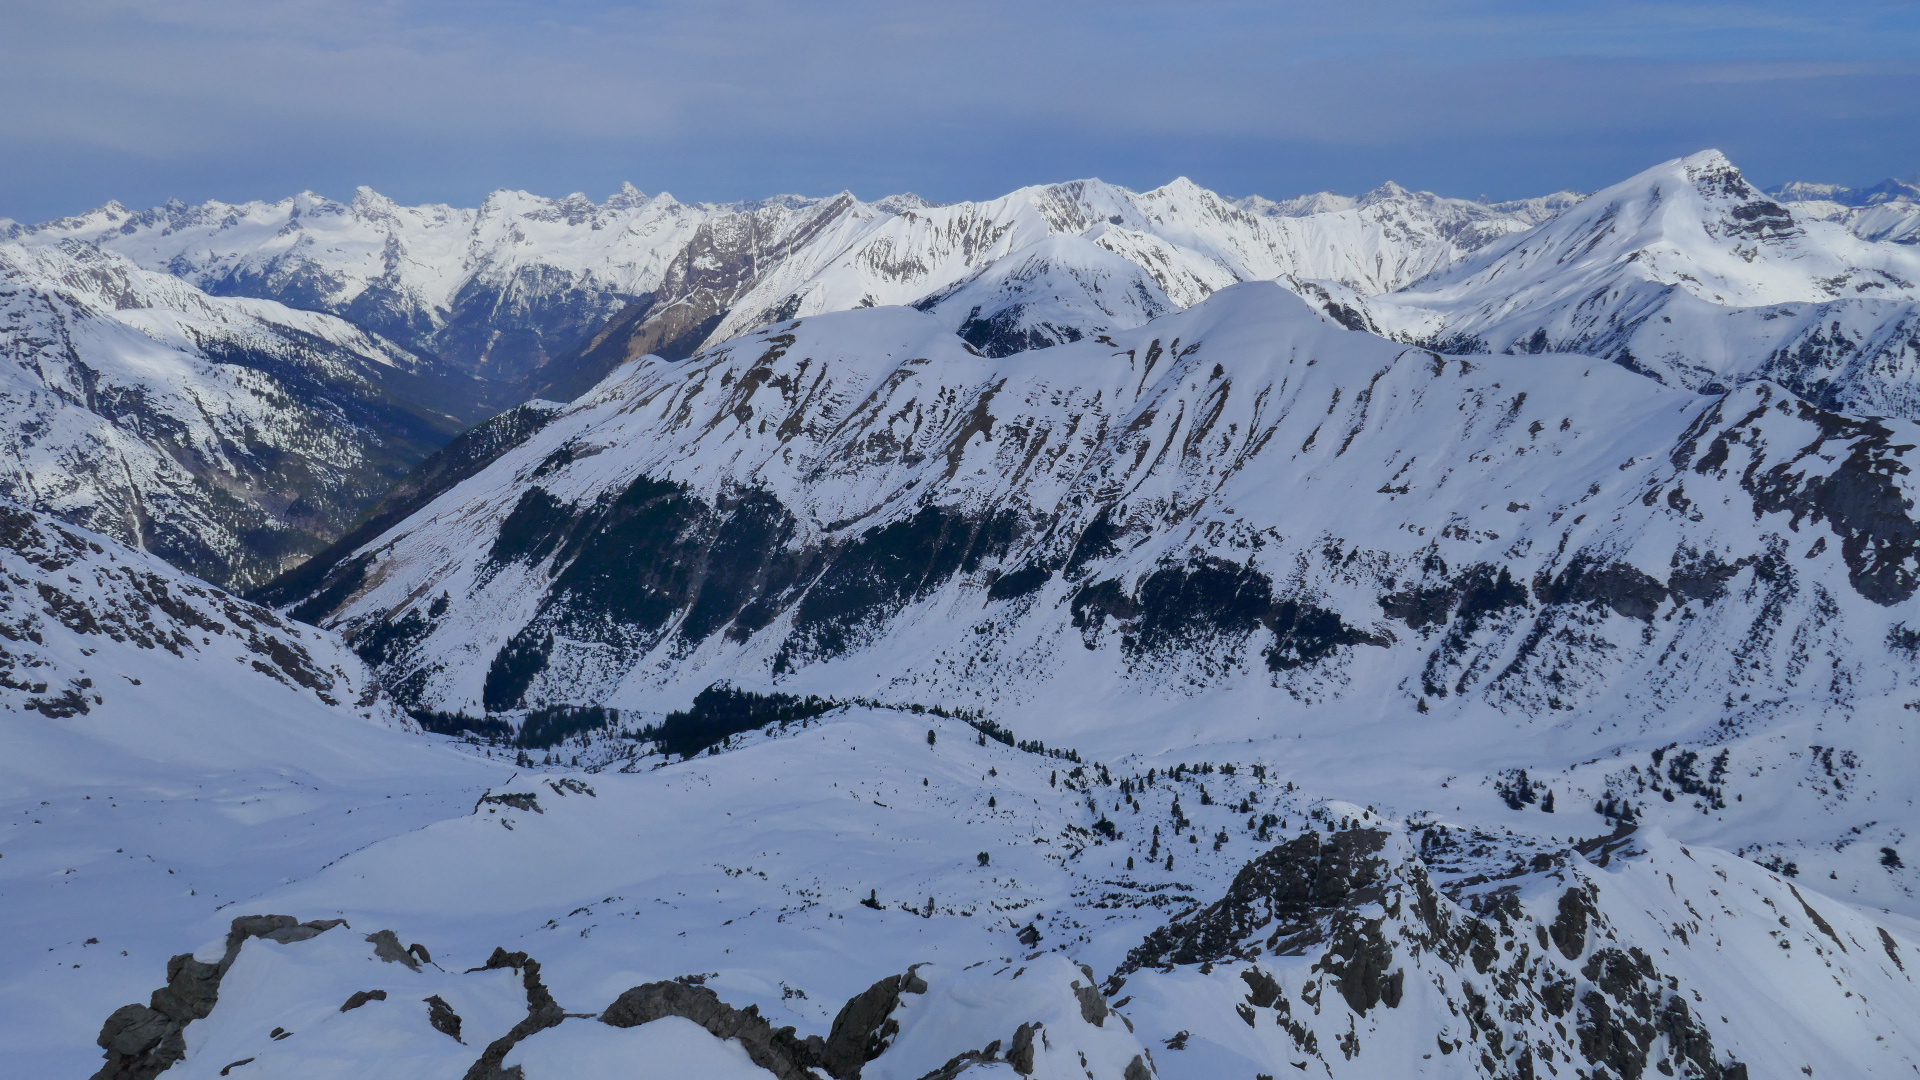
508 290
87 620
1059 284
482 288
1539 709
230 436
1688 274
1889 210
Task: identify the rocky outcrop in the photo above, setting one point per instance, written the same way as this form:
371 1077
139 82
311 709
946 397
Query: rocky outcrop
1354 910
386 946
143 1041
1287 895
862 1030
542 1013
865 1026
776 1050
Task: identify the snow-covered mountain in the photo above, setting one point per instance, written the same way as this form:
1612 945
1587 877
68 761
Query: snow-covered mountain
232 437
1036 267
1238 520
493 290
548 295
1689 274
1499 714
1421 707
1889 210
1489 716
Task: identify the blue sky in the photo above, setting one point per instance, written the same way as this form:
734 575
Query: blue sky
437 100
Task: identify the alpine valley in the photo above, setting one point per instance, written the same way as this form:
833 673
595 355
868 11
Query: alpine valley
1479 639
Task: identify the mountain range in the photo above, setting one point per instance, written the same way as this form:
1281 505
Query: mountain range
1478 637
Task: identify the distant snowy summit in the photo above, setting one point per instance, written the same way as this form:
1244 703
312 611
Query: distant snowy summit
507 289
1685 273
1689 274
1889 210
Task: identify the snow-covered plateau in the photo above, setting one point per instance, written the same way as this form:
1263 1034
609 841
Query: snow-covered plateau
1478 642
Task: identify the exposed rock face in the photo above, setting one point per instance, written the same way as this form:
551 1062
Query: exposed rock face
143 1041
1287 894
361 997
865 1025
386 946
777 1051
861 1032
1020 1053
1357 912
442 1018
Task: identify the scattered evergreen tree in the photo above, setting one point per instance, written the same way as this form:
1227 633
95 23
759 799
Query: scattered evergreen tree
553 725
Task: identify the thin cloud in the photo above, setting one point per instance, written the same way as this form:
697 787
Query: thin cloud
738 97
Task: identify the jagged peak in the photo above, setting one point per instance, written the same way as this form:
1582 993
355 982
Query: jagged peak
627 197
368 201
1707 159
1388 190
1181 185
904 201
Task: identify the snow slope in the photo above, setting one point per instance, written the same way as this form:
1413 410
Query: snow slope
1370 803
846 898
1505 714
1240 521
170 750
1689 274
232 437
